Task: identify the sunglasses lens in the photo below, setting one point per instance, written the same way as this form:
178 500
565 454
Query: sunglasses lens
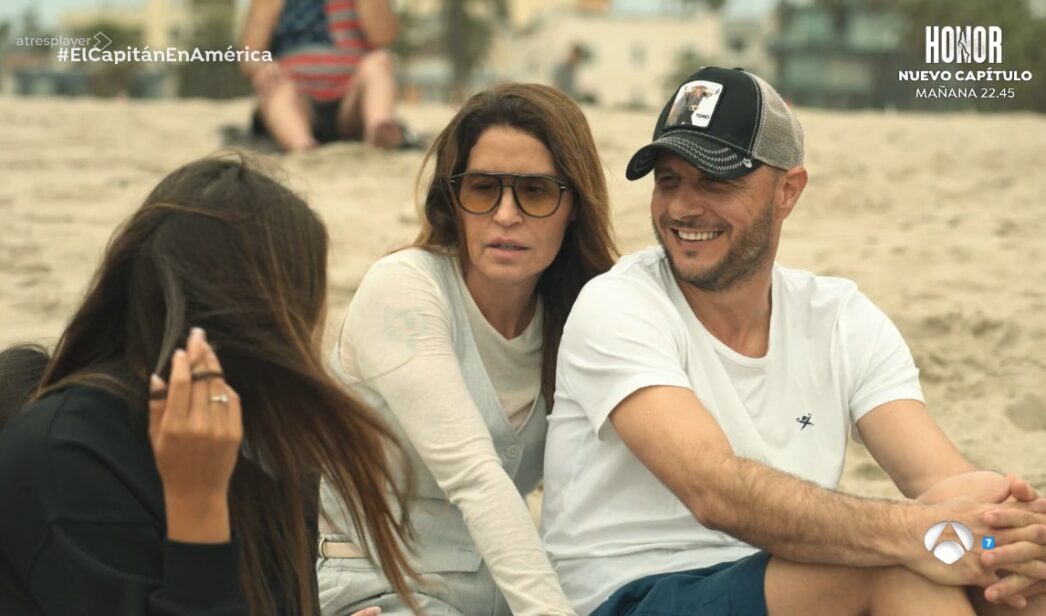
537 196
479 193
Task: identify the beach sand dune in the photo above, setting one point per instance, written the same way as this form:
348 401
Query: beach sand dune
938 218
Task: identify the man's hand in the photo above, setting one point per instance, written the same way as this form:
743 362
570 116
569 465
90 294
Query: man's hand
1024 536
1020 539
968 570
984 487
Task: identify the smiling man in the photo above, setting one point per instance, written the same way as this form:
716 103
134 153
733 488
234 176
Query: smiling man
704 398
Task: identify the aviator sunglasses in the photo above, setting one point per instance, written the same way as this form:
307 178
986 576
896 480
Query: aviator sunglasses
538 196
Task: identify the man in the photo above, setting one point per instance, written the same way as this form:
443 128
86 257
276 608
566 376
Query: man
331 79
564 76
703 401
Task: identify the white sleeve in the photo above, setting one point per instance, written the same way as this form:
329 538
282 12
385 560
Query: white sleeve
399 332
620 337
881 368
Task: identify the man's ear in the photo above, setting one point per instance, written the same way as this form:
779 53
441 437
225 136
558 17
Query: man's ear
789 186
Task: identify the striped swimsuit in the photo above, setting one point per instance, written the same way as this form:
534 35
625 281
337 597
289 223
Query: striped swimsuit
320 43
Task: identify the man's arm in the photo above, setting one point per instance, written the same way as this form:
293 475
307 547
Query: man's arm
910 446
923 462
787 516
378 22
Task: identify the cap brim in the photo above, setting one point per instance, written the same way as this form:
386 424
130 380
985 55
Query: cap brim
710 157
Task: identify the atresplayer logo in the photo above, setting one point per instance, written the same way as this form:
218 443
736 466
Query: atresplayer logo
948 551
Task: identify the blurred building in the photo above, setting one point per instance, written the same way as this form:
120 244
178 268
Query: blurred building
425 72
749 26
846 56
160 23
156 25
634 49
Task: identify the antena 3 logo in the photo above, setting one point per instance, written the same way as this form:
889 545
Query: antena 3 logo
963 45
948 551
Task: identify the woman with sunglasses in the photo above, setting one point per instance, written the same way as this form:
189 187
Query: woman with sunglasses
455 340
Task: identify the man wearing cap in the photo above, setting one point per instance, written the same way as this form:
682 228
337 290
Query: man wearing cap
705 394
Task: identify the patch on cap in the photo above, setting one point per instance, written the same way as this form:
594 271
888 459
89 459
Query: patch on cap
694 104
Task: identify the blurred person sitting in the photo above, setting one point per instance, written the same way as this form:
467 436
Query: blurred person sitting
146 494
564 76
331 78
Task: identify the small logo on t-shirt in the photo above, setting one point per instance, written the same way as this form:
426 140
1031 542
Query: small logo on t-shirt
805 420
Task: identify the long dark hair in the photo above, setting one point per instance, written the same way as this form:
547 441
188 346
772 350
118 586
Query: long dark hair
221 245
588 247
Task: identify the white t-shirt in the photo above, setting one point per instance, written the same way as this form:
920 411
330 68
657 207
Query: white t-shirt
513 365
607 520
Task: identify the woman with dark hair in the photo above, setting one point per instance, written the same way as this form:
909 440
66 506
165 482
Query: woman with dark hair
455 341
189 508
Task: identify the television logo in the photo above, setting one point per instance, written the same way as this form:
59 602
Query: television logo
948 551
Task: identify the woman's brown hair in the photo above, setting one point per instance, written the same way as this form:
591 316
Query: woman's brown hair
221 245
588 247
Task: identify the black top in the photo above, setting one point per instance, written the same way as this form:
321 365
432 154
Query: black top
82 522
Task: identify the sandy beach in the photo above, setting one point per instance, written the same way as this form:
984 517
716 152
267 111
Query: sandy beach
939 218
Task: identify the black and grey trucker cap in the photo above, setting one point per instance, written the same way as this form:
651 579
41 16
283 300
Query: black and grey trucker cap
725 122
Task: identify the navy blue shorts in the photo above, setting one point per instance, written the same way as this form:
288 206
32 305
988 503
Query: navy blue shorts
726 589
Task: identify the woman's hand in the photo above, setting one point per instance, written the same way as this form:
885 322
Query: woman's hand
195 431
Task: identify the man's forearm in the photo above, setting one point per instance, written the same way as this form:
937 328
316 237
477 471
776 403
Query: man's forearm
801 521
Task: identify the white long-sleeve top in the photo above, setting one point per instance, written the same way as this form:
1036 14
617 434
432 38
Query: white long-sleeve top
397 341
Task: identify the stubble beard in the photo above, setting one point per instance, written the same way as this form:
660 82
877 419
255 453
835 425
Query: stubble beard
749 252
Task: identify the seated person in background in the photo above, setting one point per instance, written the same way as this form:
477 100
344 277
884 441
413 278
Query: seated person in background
454 340
124 493
564 76
330 80
704 395
21 368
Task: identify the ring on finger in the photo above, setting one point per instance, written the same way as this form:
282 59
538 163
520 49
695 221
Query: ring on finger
222 398
206 375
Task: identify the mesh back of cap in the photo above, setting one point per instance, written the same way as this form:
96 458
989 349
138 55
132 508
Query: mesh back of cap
780 139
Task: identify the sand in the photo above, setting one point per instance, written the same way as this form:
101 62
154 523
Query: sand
938 218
